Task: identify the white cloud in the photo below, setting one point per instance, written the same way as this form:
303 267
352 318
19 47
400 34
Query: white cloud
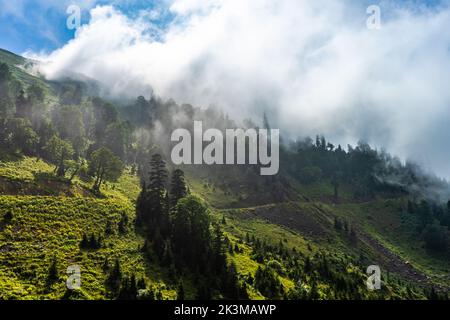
314 63
187 7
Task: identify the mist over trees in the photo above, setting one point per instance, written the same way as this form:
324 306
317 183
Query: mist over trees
85 135
110 136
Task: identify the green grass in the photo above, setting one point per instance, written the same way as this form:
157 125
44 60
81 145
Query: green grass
272 233
323 191
24 169
128 187
32 176
11 58
235 229
44 227
381 220
17 64
389 223
214 195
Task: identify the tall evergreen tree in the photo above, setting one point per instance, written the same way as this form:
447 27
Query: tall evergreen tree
157 194
115 277
158 175
152 205
180 291
178 187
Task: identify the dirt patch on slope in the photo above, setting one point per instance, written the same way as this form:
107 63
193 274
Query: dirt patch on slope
315 222
392 263
292 215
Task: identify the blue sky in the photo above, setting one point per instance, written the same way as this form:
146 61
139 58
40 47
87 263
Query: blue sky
40 25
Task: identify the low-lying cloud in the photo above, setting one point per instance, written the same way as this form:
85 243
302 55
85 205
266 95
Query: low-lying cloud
313 65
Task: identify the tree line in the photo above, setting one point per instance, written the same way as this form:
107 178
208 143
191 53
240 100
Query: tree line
78 135
179 231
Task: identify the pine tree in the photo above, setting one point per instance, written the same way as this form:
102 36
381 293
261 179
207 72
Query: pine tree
231 283
7 218
152 209
52 275
133 291
158 174
178 188
115 277
84 242
158 210
180 291
93 243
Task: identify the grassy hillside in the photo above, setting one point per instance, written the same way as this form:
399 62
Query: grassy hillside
308 233
383 230
20 67
383 236
11 58
43 228
35 230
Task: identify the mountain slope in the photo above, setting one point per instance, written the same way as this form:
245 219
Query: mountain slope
21 68
308 233
50 224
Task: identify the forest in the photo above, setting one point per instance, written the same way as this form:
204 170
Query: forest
186 220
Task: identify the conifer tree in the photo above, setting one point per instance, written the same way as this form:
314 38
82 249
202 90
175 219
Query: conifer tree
157 193
178 188
115 277
180 291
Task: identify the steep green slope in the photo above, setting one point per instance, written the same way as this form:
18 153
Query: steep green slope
305 268
42 219
390 245
387 225
20 68
42 228
308 233
360 233
36 230
374 232
11 58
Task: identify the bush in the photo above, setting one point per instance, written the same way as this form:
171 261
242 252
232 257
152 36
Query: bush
7 218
